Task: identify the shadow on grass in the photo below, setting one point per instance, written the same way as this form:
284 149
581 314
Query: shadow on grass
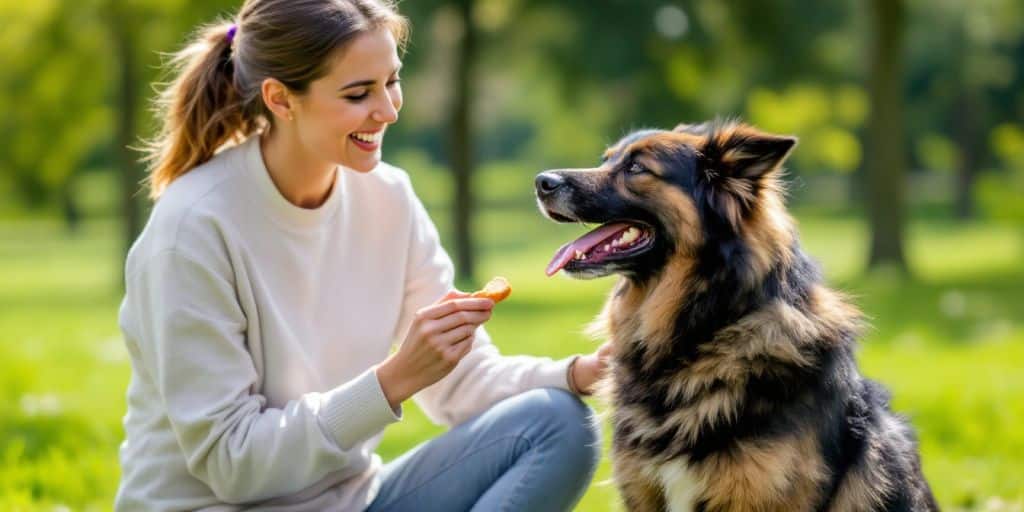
954 310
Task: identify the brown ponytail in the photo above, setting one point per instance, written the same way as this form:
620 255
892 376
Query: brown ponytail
214 98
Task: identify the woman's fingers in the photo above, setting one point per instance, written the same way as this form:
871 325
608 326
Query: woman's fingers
442 309
456 319
462 347
456 335
453 294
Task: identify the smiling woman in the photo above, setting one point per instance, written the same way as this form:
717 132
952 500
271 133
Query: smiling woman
282 263
327 125
241 78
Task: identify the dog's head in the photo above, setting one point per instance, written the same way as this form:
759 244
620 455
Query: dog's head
701 191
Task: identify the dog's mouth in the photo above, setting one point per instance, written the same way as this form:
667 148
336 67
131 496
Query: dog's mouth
610 242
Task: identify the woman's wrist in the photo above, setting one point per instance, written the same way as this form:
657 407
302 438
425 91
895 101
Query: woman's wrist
571 378
396 390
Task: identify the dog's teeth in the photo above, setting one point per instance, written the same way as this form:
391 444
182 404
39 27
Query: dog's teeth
580 255
607 247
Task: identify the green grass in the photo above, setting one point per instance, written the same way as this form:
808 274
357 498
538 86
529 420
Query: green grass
949 344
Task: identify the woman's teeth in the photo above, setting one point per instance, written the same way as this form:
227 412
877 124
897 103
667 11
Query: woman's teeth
369 138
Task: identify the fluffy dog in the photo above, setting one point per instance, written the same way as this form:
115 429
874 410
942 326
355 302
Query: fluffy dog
733 382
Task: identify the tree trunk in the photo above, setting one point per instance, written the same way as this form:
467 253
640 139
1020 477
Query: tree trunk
886 161
966 136
68 207
123 40
461 143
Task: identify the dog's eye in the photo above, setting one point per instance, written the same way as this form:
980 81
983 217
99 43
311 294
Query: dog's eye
636 168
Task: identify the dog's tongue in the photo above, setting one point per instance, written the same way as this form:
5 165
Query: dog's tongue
583 244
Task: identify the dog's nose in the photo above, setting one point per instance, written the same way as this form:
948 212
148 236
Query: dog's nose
548 182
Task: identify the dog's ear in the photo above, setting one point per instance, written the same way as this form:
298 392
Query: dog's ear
745 153
738 162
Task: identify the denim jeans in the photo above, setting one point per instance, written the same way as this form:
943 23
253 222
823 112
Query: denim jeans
532 452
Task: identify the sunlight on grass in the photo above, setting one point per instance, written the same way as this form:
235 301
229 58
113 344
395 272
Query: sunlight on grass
950 345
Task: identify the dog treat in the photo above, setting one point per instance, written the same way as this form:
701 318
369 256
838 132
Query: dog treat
496 289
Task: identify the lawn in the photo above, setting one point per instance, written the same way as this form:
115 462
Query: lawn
949 343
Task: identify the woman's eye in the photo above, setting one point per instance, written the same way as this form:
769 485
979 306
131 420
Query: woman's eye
636 168
365 94
358 97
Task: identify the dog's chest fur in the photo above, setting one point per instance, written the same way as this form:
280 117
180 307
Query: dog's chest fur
680 484
667 400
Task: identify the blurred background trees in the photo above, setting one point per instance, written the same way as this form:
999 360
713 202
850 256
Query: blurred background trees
910 115
915 104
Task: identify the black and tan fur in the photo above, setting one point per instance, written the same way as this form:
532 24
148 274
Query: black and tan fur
733 383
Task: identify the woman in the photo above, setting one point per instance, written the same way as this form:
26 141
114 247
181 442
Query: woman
281 262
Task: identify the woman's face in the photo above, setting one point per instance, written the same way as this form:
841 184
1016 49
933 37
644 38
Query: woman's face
343 115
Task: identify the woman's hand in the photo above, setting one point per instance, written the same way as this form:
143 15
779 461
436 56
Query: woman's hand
440 336
590 368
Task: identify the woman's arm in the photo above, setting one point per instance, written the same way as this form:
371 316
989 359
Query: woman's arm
187 324
483 376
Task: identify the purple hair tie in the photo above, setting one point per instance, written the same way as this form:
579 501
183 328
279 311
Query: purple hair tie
231 33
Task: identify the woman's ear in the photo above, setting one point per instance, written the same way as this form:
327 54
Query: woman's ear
277 98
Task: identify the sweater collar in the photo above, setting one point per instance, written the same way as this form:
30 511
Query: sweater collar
276 205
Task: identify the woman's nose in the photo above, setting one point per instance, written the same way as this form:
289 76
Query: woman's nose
387 111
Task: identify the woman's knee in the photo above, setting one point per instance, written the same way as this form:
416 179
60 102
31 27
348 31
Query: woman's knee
573 425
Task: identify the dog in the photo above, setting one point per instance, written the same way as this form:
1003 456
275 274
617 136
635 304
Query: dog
732 381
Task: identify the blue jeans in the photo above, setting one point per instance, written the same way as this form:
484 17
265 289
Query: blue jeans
533 452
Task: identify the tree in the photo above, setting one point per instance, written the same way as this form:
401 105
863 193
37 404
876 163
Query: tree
54 111
886 161
135 45
124 39
461 139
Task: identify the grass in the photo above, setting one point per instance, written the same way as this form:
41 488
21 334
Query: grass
949 344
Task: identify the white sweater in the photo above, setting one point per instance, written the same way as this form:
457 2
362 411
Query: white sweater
253 325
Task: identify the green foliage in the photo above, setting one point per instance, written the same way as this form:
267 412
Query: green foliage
937 153
999 192
824 120
1008 144
555 80
54 110
999 195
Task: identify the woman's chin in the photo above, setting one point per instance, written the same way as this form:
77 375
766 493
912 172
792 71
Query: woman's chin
362 165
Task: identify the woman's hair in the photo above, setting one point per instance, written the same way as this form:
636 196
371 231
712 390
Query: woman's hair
214 97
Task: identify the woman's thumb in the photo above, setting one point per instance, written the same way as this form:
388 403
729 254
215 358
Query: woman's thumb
453 294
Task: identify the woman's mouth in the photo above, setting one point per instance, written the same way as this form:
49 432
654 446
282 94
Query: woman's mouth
367 141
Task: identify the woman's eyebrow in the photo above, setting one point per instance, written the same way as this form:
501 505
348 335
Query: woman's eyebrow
360 83
365 83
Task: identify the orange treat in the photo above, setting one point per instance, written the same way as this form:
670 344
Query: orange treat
496 289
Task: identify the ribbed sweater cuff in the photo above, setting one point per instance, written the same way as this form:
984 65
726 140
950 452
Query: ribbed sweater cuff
553 374
356 410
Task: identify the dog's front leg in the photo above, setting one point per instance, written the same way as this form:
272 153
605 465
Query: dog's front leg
640 492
